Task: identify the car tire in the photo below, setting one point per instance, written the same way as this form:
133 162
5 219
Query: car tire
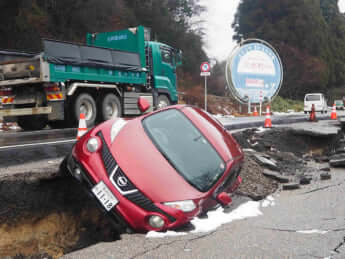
305 112
162 101
110 107
63 170
84 103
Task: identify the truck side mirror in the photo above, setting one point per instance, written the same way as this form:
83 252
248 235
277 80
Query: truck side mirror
178 56
143 104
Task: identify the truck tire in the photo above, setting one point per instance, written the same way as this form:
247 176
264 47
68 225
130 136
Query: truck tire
32 122
162 101
84 103
110 107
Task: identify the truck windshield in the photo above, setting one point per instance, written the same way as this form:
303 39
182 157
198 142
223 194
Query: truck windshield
185 148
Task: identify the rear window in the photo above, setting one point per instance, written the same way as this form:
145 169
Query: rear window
313 97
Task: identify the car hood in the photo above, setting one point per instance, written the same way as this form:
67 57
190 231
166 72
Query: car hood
145 166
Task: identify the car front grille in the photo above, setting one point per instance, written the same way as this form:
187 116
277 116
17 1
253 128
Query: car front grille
108 160
142 201
124 185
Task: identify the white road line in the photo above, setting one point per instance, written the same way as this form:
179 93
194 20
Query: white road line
37 144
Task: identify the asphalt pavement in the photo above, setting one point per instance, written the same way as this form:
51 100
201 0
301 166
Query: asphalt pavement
304 223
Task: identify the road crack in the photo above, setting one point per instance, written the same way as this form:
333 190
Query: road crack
340 245
187 241
322 188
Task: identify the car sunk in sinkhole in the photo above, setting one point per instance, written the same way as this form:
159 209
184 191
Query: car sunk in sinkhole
159 170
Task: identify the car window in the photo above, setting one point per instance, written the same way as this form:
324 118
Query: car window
312 97
185 148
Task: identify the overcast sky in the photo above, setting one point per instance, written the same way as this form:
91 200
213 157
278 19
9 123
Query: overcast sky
220 15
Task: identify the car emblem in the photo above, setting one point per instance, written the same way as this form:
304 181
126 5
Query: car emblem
121 181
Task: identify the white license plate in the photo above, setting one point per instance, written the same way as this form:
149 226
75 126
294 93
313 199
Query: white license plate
104 195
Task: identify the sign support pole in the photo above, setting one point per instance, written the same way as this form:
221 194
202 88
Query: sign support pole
205 93
205 71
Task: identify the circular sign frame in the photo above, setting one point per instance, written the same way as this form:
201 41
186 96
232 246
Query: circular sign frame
205 67
254 67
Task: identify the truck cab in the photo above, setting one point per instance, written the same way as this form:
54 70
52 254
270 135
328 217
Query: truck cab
165 60
159 59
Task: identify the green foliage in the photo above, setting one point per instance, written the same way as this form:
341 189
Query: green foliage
280 104
309 35
24 22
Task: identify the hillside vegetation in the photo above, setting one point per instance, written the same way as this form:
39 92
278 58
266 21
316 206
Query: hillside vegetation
309 36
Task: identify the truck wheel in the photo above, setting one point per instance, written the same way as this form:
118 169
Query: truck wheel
111 107
32 122
84 103
162 101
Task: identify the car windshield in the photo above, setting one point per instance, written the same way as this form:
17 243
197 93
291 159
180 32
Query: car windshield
185 148
312 97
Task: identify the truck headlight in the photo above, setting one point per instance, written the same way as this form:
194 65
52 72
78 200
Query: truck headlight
116 128
185 206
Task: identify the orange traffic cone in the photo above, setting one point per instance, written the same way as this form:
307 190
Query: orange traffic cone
333 113
268 122
312 116
255 113
82 129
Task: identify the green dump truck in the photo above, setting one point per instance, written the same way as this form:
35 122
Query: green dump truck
102 79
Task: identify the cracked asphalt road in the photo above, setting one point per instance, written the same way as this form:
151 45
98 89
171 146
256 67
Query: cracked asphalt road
304 223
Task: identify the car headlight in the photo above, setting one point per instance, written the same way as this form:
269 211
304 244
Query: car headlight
93 144
115 129
185 206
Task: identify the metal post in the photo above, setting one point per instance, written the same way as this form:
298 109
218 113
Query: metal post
249 111
205 93
260 107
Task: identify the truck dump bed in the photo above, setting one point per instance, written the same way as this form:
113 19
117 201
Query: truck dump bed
63 61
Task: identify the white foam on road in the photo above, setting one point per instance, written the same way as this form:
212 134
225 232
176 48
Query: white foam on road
312 231
219 217
268 202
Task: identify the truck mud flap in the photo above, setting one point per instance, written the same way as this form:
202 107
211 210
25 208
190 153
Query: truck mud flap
58 110
130 102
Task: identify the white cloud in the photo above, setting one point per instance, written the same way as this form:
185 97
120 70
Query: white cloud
219 17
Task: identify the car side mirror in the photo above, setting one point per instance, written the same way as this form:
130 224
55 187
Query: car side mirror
224 199
143 104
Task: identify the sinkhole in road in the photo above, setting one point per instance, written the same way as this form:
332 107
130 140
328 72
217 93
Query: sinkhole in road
46 217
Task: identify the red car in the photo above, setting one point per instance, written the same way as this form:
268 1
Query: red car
159 170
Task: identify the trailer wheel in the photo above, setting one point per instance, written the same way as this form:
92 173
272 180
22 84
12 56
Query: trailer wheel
32 122
111 107
162 101
84 103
